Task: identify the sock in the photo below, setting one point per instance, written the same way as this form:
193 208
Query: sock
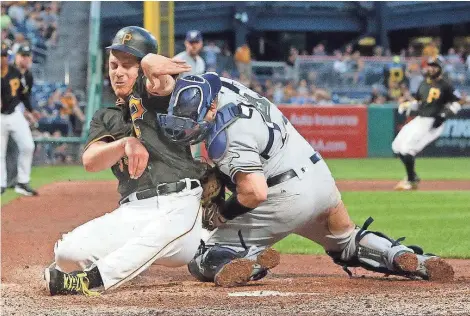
409 162
94 277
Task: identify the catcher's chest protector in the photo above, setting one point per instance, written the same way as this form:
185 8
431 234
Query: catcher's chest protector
217 141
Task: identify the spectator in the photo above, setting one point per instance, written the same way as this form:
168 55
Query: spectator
357 68
319 50
244 80
411 52
17 13
378 51
5 19
302 89
225 61
322 97
20 41
290 70
211 52
49 19
394 72
193 45
340 67
348 50
51 121
70 109
278 95
243 60
394 91
414 76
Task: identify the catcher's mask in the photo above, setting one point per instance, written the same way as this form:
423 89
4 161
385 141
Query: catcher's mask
190 101
435 62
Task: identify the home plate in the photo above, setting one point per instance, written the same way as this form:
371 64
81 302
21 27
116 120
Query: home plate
268 293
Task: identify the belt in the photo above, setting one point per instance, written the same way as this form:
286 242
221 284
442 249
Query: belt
162 189
316 157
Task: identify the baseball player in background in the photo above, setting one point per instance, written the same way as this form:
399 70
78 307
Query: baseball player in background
193 45
16 89
436 100
159 217
280 185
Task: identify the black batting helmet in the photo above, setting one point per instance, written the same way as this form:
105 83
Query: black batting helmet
436 62
135 40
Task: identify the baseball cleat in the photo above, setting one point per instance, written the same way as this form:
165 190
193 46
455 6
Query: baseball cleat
404 185
240 271
427 267
25 189
60 283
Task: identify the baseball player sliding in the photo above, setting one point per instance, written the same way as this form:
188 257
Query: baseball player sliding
280 185
159 217
436 100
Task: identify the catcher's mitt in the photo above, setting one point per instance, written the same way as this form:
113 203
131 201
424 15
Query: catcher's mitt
213 199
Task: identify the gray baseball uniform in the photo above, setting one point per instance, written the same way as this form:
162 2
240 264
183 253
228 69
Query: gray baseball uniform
263 141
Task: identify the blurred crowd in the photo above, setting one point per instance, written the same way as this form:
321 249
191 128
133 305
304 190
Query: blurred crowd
370 74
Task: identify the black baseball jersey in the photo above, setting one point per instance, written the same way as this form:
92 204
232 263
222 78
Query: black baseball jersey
394 73
137 116
15 89
434 96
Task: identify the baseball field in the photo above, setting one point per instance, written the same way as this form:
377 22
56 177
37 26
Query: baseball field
306 282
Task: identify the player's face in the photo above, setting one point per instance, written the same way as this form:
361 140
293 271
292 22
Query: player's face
123 72
193 48
24 61
432 71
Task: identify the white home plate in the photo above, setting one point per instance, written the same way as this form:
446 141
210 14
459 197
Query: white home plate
268 293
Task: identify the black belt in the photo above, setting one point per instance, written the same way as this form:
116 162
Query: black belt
162 189
316 157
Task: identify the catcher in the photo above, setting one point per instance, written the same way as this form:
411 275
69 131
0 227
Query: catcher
280 185
436 100
158 220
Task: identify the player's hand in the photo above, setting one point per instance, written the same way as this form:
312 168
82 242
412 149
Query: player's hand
137 156
154 65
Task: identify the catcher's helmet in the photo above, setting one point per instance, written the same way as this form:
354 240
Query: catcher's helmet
135 41
189 104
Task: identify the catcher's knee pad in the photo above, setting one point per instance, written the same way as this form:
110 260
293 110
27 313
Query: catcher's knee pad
372 251
209 260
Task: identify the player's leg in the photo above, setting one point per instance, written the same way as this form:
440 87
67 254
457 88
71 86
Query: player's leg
289 205
21 133
3 150
116 247
401 146
352 246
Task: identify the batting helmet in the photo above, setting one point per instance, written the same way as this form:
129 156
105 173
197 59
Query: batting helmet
436 62
135 41
189 104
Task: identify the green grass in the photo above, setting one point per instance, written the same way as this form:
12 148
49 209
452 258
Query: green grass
437 221
390 168
44 175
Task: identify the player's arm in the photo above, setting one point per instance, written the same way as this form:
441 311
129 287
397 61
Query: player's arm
102 151
101 155
454 104
159 71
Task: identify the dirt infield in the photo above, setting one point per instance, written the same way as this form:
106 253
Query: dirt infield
300 285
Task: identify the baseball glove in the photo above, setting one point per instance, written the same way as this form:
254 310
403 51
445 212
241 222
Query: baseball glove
213 199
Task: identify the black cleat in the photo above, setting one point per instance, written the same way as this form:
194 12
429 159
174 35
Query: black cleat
25 189
60 283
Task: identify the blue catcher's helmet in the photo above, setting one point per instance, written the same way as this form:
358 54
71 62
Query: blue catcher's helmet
189 104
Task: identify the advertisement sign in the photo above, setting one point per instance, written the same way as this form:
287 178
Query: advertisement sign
336 131
455 139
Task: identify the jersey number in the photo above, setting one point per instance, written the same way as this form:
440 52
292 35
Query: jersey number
14 85
434 93
262 105
137 109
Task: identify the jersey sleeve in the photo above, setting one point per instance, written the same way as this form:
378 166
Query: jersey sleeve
98 129
244 148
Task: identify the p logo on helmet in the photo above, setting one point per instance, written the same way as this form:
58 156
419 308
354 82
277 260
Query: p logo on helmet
126 38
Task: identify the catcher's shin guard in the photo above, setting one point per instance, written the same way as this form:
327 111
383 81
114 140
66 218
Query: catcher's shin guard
376 252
